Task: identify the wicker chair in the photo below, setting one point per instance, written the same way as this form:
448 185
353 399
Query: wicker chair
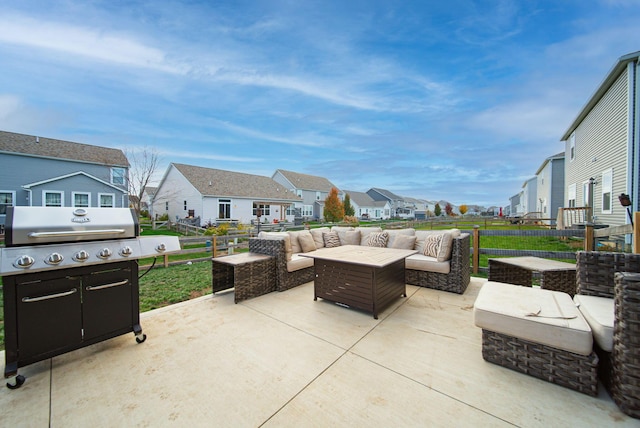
615 275
276 248
457 280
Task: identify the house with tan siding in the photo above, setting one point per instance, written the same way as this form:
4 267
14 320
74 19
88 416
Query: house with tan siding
602 144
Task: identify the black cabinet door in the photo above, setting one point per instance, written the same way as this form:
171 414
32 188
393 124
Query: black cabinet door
107 301
49 315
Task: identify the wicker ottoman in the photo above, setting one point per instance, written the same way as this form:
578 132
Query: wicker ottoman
537 332
250 274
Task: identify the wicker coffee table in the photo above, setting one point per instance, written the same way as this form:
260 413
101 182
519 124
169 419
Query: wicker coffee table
554 275
251 275
366 278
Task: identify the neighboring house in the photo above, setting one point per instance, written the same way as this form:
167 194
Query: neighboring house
550 185
602 144
368 208
147 199
396 202
515 208
312 189
38 171
214 195
529 196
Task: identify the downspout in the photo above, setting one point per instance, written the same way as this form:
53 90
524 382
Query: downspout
634 160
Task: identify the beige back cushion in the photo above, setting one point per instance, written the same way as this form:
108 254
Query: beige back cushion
365 232
306 241
395 232
342 231
317 236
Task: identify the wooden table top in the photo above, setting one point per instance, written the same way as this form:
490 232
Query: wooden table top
535 263
360 255
241 258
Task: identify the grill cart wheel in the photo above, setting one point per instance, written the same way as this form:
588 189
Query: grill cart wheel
141 338
19 381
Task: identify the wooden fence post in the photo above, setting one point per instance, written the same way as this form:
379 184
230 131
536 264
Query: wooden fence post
476 248
588 237
636 232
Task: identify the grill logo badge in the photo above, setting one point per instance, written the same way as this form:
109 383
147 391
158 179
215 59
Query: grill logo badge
80 216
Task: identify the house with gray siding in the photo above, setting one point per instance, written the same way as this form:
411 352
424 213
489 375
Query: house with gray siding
366 207
214 195
397 204
602 146
312 189
38 171
550 187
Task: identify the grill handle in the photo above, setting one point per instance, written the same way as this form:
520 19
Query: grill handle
75 233
50 296
100 287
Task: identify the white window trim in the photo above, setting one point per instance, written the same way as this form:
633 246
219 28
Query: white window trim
73 198
571 195
124 176
44 196
607 188
572 147
113 199
13 197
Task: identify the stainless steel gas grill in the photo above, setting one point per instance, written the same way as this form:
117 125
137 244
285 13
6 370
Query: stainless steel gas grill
70 279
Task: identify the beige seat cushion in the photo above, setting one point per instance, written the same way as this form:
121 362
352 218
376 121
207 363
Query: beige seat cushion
600 314
426 263
541 316
342 231
298 262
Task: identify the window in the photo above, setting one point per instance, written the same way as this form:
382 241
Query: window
318 196
224 208
290 210
185 205
106 200
307 210
52 199
571 195
166 206
266 209
80 200
607 183
117 176
572 146
6 200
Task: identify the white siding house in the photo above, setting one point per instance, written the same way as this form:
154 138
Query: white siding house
368 208
312 189
215 195
601 145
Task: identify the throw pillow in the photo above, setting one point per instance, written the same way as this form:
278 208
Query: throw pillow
331 239
295 244
306 241
404 242
432 245
378 239
351 238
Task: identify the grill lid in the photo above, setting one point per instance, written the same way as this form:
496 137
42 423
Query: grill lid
43 225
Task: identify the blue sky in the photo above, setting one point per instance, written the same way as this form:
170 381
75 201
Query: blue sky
459 100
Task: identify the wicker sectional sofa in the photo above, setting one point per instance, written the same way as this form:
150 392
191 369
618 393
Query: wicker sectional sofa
447 267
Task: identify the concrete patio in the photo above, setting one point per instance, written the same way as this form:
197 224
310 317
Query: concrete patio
284 359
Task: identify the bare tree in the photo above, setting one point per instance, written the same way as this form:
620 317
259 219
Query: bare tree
143 165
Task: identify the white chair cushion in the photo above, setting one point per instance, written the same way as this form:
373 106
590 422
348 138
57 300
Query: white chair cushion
599 313
508 309
426 263
298 262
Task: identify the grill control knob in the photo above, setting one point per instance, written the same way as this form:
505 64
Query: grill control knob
54 259
105 253
126 251
24 262
81 256
161 248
